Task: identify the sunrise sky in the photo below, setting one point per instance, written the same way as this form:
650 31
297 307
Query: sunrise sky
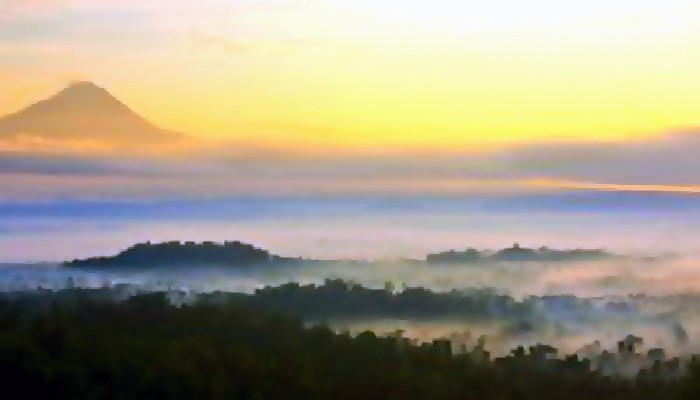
334 128
369 74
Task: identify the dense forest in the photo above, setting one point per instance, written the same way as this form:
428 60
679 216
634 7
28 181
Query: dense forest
85 344
337 298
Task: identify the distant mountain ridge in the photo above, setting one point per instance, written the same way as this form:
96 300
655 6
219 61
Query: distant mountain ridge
516 253
83 111
237 254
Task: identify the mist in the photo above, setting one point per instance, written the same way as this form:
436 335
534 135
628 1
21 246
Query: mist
570 305
653 292
356 227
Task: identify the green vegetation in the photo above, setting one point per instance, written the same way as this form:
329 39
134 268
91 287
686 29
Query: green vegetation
517 253
82 344
340 299
238 254
142 255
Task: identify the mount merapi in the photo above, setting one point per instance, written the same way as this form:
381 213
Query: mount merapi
83 111
237 254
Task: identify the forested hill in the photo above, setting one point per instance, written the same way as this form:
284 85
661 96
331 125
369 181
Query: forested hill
516 253
237 254
143 255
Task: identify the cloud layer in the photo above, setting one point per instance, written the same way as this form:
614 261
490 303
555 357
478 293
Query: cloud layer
223 169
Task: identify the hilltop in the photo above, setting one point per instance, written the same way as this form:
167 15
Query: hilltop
175 253
235 253
519 254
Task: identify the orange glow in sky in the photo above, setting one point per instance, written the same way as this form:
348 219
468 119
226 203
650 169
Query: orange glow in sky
299 74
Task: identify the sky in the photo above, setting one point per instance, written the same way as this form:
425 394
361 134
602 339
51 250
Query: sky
305 74
308 124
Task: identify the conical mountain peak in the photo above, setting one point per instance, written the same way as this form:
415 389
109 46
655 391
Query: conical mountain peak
86 87
86 96
83 110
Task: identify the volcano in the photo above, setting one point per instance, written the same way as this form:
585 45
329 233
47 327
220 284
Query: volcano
83 111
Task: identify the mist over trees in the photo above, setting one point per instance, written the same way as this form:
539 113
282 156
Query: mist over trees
110 344
340 299
279 341
84 344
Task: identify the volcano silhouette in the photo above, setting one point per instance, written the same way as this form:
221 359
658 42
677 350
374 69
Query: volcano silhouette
83 111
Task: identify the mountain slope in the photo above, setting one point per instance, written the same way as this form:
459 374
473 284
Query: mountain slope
83 111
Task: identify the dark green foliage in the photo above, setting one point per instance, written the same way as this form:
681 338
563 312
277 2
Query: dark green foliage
337 299
236 254
517 253
81 345
148 254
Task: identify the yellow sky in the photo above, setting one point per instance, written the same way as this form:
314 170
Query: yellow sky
440 74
